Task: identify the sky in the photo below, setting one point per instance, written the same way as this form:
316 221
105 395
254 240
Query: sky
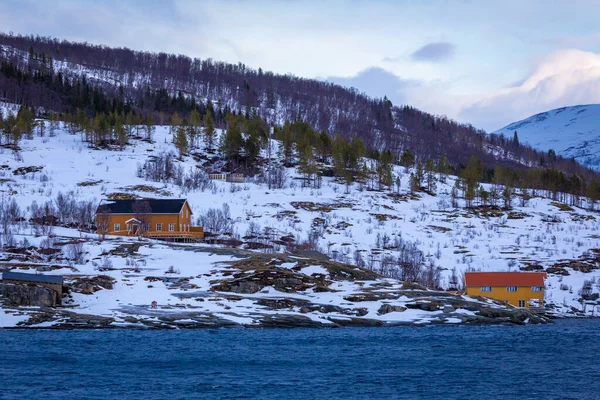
477 61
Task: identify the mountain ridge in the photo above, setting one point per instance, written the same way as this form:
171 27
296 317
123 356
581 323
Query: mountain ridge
572 132
161 84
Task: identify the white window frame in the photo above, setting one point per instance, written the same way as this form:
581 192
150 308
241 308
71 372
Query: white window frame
486 289
522 303
511 288
117 227
180 228
171 227
159 227
537 289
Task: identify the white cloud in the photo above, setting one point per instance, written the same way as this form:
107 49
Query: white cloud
565 77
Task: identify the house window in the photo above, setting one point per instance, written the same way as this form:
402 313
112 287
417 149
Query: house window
511 288
117 227
522 303
180 227
186 213
537 288
171 227
486 288
158 227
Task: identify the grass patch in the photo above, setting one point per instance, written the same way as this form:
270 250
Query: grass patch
562 206
89 183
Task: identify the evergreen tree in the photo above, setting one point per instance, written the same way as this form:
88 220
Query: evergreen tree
233 140
24 125
209 130
407 159
174 122
149 127
194 127
181 141
471 175
384 170
120 132
593 192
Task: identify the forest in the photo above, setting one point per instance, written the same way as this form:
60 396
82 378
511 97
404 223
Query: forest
111 94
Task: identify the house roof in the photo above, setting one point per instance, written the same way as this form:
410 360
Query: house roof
505 278
158 206
21 276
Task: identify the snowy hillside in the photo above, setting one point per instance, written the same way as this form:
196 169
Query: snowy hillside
372 229
573 132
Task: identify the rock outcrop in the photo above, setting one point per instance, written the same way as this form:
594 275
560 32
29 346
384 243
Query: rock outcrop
92 285
27 295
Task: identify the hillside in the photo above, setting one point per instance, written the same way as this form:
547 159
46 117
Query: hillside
572 132
395 236
60 76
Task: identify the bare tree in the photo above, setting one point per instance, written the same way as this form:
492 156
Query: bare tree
277 177
75 253
143 213
103 222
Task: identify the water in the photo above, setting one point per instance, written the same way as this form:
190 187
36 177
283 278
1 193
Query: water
557 361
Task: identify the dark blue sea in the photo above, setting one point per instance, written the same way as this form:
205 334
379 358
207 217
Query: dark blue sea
558 361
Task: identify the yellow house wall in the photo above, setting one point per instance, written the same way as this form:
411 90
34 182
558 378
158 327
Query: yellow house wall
182 221
121 219
500 293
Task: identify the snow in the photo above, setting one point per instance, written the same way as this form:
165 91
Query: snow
314 270
10 319
569 131
450 238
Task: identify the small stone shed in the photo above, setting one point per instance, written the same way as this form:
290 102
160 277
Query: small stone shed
54 282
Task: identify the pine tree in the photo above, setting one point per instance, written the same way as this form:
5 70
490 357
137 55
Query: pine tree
233 140
181 141
471 176
384 170
209 130
407 159
194 127
593 192
174 122
120 132
24 125
149 127
443 167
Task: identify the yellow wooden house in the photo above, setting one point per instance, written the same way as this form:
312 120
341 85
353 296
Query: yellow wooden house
154 218
520 289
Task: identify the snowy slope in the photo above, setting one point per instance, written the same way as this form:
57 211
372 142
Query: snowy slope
358 223
569 131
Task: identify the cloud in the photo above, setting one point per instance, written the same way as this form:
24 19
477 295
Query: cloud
378 82
581 41
434 52
562 78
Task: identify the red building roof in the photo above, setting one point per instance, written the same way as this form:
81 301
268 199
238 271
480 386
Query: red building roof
505 278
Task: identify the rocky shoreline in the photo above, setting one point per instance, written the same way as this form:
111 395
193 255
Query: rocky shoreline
256 291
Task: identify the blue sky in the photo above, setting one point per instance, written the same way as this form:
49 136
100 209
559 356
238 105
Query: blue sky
482 62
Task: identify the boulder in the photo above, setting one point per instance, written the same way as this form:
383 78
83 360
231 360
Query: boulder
388 308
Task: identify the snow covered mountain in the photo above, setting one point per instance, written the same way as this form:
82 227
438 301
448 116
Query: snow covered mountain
573 132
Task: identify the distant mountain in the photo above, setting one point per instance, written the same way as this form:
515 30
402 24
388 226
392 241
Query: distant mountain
572 132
